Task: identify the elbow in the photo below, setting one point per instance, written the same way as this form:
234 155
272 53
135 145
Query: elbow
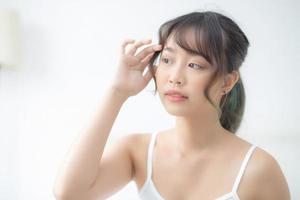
59 195
67 197
65 191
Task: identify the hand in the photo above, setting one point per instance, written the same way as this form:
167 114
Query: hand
129 79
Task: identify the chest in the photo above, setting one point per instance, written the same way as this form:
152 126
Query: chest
177 177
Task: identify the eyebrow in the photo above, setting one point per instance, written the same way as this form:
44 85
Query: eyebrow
172 50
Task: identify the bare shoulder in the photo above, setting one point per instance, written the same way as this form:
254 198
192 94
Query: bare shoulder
264 178
137 144
134 144
135 141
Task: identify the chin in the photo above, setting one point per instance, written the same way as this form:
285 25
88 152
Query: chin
183 109
176 109
177 113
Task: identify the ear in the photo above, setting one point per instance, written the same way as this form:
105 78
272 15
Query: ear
230 80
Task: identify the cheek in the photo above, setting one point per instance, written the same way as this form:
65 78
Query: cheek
196 90
198 83
161 77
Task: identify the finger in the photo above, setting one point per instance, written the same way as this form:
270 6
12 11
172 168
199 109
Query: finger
125 43
148 50
138 44
145 61
147 77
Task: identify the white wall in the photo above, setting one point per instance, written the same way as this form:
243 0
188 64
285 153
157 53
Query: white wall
70 52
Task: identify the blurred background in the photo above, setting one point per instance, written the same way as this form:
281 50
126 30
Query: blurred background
57 57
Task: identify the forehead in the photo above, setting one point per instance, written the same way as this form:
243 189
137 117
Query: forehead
188 36
172 47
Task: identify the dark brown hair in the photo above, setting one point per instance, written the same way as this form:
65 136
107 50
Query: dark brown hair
223 44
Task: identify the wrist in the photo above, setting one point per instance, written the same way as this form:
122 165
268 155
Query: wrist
116 93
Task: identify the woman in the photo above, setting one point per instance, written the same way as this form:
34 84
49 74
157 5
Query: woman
198 81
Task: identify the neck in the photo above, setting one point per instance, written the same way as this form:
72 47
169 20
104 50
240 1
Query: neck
193 134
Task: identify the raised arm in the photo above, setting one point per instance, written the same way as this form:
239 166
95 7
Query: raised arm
86 173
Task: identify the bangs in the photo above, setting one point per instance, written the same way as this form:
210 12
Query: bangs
198 35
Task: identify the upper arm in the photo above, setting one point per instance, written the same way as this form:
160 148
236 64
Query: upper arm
268 181
116 168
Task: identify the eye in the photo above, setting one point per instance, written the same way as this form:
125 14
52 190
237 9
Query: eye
165 60
193 65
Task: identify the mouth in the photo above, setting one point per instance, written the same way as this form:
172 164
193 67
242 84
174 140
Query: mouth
175 98
175 93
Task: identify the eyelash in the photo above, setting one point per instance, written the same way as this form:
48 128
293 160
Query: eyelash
200 67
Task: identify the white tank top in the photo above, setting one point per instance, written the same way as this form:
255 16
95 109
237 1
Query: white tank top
149 192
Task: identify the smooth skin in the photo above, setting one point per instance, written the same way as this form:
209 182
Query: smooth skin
91 171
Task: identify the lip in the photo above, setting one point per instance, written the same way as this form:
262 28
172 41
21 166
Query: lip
175 93
175 98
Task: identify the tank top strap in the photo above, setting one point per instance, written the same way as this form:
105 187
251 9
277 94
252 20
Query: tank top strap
243 168
150 155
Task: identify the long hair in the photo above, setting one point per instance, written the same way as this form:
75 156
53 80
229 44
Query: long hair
223 44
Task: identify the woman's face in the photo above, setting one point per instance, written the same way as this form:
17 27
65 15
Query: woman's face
192 74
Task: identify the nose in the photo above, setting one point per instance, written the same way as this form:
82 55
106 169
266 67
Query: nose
176 76
175 82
